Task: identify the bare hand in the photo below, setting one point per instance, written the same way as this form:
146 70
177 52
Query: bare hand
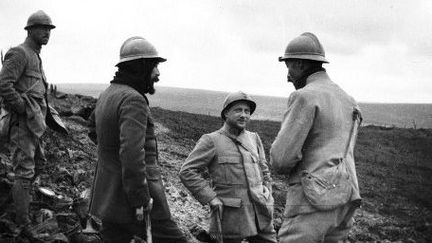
215 203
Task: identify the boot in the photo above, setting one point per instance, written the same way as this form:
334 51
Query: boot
21 197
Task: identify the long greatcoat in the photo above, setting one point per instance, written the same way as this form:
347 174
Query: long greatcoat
127 170
313 136
238 171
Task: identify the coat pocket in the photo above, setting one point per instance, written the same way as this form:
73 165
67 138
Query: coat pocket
263 200
231 171
157 192
231 202
230 222
34 84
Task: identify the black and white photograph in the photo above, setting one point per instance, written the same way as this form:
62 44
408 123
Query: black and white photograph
222 121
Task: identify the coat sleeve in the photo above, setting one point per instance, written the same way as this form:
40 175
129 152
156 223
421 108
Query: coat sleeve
263 163
191 173
286 150
133 115
13 67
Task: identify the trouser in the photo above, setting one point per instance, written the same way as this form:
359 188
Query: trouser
254 239
163 231
21 197
321 226
26 149
26 152
266 235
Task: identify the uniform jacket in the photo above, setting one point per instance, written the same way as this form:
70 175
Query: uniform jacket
238 170
314 133
23 85
127 168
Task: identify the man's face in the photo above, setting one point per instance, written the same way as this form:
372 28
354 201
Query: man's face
295 71
238 115
40 34
154 78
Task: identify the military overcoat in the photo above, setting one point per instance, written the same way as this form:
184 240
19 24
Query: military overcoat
127 170
313 136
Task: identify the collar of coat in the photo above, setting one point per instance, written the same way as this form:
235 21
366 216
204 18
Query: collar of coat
318 76
133 81
32 44
243 139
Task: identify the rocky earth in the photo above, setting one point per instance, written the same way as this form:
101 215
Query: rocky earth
393 165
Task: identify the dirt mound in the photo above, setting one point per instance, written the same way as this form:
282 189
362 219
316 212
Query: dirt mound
393 166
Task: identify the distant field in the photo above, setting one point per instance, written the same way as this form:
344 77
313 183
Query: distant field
269 108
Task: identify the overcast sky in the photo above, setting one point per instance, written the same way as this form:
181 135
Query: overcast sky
379 51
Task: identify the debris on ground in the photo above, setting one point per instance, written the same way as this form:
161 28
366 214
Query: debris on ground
392 211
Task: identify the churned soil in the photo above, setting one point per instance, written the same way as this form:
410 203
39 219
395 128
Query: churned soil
394 168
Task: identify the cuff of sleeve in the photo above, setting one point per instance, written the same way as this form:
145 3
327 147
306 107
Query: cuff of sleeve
139 198
205 196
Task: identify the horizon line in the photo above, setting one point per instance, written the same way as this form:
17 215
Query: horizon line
275 96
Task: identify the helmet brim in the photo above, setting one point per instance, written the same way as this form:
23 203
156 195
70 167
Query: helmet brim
126 59
34 25
304 57
251 104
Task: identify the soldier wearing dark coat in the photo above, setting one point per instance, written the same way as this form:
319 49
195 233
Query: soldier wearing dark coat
127 174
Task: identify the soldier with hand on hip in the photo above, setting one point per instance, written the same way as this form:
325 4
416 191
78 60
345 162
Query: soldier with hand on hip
23 89
240 193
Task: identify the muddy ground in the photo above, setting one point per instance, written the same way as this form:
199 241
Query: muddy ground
394 169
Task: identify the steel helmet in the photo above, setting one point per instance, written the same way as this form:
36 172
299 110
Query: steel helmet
237 96
136 48
306 46
39 18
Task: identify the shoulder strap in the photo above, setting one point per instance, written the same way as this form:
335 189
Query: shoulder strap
356 116
237 142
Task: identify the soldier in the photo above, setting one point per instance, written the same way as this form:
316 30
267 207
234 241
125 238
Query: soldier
240 193
23 87
315 148
127 174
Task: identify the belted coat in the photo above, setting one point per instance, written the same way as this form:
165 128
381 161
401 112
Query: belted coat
238 172
313 136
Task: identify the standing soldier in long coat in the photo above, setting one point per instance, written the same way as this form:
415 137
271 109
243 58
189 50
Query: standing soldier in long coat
240 192
23 89
315 148
127 174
